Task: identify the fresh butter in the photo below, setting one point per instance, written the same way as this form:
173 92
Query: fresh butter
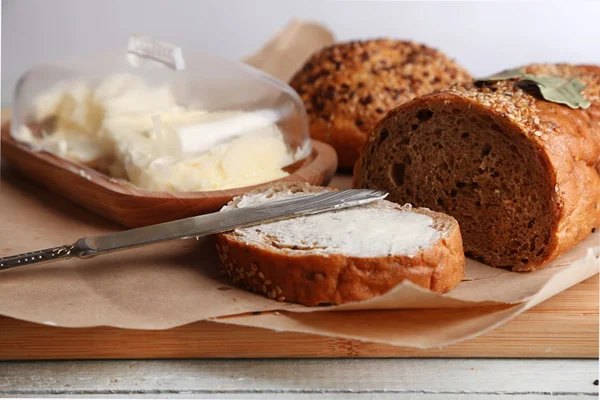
366 231
139 133
246 160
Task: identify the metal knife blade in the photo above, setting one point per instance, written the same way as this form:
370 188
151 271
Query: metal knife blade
199 226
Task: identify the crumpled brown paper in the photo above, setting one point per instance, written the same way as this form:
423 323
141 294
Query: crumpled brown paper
172 284
284 54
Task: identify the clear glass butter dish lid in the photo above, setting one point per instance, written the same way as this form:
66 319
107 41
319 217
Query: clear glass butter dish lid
163 119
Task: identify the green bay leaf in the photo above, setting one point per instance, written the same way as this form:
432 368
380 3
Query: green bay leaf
504 75
559 90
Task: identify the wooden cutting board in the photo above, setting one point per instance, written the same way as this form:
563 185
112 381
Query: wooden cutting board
565 326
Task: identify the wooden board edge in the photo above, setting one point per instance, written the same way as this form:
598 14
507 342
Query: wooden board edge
553 329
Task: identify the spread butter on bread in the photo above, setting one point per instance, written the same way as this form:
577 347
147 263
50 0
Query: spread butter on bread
341 256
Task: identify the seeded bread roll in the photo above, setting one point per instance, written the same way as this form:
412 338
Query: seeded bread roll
520 174
342 256
348 87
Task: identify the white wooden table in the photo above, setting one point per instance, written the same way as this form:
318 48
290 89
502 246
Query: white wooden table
466 379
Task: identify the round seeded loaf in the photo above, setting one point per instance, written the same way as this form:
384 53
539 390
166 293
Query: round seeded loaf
306 274
519 173
348 87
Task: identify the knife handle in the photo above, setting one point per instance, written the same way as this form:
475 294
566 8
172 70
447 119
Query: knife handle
39 256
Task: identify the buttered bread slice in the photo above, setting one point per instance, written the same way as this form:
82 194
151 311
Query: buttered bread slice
347 255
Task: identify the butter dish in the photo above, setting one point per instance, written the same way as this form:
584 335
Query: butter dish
155 122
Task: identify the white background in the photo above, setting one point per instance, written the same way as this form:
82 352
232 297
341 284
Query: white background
484 36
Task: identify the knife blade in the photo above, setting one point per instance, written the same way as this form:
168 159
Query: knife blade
199 226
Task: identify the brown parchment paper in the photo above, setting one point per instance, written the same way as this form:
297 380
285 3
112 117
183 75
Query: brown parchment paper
284 54
172 284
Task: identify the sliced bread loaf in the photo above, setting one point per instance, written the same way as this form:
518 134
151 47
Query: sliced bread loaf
341 256
519 173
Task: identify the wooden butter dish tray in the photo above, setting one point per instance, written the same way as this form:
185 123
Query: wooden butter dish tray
133 207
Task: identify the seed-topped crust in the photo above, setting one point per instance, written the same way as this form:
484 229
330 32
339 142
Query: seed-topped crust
348 87
562 143
506 97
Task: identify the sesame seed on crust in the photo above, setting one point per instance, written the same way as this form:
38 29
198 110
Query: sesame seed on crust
521 106
505 98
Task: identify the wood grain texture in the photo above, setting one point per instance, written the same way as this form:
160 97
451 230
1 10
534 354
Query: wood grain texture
133 207
410 378
565 326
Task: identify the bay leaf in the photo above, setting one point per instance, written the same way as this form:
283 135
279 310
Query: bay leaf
559 90
504 75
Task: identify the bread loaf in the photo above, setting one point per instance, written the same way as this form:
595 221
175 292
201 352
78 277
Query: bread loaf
519 173
347 255
348 87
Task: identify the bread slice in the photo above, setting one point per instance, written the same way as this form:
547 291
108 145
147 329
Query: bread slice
341 256
348 87
520 174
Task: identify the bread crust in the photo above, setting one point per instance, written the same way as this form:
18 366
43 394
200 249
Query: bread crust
573 150
348 87
566 140
316 279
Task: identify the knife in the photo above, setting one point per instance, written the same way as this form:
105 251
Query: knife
196 227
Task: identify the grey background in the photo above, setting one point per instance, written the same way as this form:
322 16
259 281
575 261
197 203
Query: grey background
484 36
